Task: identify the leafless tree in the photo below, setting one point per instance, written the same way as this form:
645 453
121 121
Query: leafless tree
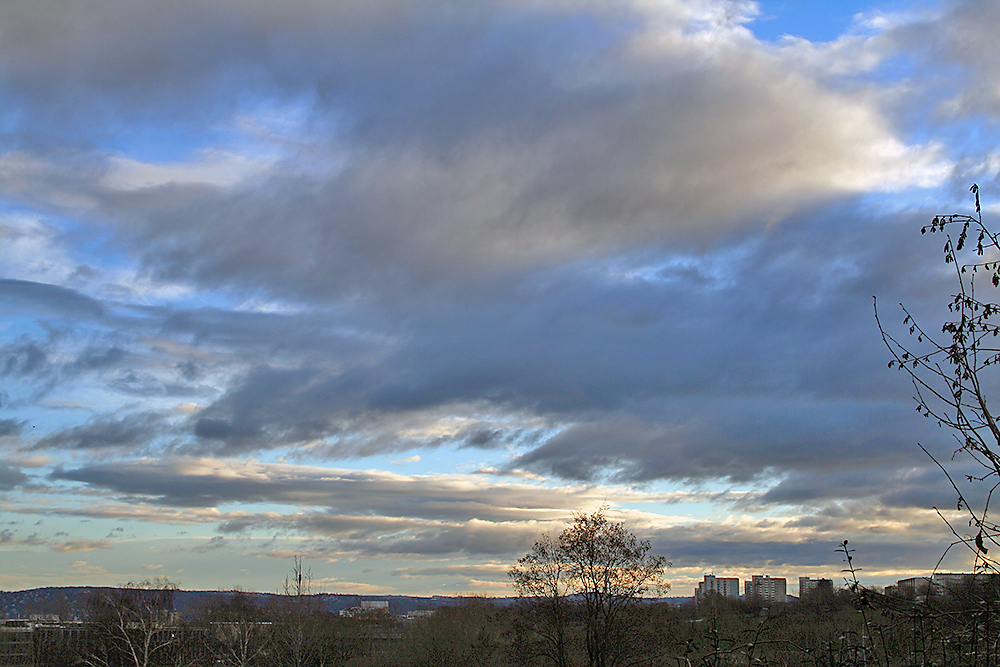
298 623
241 635
134 625
603 565
953 372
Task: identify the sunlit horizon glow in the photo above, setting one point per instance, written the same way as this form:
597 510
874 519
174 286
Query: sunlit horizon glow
400 287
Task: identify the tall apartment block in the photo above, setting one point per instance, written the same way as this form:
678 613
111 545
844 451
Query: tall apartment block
720 585
807 586
769 589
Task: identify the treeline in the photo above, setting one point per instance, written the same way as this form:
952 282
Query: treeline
135 626
134 629
825 630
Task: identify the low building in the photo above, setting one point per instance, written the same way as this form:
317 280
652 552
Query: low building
367 607
945 585
418 614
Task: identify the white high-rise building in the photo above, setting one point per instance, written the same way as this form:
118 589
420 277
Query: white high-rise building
727 586
767 588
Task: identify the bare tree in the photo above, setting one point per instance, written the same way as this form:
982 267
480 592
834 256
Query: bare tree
241 636
543 576
299 622
607 568
134 624
952 372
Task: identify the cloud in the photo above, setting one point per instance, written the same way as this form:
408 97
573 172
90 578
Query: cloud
11 477
382 515
134 432
332 536
202 482
10 427
485 570
217 542
136 511
549 252
593 371
735 439
81 567
958 35
11 538
625 131
23 358
587 375
74 546
220 169
48 298
93 358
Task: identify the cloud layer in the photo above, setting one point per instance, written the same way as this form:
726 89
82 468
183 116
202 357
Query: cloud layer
530 257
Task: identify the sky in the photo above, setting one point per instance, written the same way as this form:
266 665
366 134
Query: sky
399 287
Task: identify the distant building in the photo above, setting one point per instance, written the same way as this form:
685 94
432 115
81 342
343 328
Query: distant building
944 584
367 607
767 588
729 587
807 586
418 613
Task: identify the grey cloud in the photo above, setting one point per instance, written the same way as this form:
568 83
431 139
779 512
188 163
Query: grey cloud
379 537
487 139
217 542
189 370
605 252
774 363
306 331
920 486
10 537
961 35
454 570
75 546
139 384
771 545
250 416
134 433
476 539
95 358
233 526
24 358
213 428
739 439
49 299
192 482
37 361
11 427
11 477
486 438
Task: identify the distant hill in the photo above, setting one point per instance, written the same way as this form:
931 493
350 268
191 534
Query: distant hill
70 602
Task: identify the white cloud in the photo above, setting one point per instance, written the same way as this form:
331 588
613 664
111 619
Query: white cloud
619 242
211 167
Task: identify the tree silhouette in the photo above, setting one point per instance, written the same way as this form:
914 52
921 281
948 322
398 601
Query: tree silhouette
605 567
952 372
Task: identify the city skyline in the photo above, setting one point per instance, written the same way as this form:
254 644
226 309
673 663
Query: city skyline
398 288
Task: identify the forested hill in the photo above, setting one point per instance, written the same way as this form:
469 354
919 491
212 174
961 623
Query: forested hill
70 602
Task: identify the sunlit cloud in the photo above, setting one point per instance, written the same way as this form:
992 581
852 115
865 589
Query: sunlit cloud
400 304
